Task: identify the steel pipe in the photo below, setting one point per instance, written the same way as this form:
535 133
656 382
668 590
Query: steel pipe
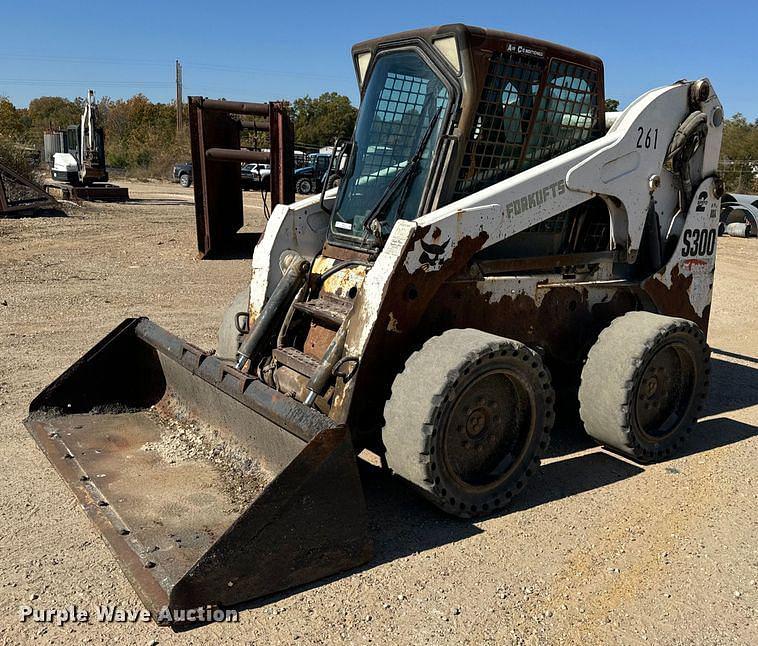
232 155
237 107
255 125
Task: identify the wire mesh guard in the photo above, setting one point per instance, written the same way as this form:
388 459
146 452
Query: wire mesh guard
505 121
403 97
398 118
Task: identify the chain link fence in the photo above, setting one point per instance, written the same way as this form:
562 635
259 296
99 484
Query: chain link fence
740 175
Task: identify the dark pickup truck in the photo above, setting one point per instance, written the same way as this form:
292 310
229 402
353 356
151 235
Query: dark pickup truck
182 173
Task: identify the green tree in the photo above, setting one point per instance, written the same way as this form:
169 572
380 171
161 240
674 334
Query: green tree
11 124
321 120
611 105
53 112
739 154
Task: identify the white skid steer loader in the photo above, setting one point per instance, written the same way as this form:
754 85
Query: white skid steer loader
496 241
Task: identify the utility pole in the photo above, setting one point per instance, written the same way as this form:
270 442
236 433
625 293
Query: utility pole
178 97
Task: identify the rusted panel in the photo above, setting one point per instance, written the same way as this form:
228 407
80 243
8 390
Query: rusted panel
503 265
318 340
564 321
674 300
344 253
396 330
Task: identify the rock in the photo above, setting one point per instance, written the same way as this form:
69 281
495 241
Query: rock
33 597
737 594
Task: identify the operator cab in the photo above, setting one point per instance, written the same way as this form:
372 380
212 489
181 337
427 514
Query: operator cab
447 111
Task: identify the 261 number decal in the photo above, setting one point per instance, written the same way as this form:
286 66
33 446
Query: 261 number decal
698 242
647 139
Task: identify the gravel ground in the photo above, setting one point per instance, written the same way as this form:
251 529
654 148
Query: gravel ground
598 549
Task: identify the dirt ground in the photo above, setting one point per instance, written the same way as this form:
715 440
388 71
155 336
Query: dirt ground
598 550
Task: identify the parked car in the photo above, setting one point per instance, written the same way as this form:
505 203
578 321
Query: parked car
251 174
182 173
256 175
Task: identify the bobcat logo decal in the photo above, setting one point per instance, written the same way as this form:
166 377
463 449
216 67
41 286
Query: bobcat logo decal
431 254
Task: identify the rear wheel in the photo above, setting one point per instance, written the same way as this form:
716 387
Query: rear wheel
184 180
468 419
644 383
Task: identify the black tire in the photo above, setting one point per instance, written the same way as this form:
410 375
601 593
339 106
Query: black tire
185 180
473 467
304 186
644 384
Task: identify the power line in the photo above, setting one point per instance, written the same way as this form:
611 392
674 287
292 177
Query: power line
61 82
192 64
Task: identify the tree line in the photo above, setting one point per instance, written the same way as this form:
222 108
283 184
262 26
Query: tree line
141 135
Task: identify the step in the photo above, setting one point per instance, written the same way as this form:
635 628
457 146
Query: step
327 309
297 360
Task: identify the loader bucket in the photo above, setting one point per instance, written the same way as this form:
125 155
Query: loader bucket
210 488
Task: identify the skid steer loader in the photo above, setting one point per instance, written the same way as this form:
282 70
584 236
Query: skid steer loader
496 238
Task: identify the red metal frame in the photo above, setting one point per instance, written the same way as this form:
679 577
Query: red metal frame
216 155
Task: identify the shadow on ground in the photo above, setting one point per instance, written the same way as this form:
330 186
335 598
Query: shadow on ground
52 212
733 385
157 201
401 523
237 247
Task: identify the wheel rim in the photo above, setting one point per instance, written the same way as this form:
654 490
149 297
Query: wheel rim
487 431
665 391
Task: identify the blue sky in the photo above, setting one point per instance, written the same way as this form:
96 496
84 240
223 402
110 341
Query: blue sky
234 49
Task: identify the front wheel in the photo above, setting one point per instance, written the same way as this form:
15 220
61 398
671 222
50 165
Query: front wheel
184 180
468 419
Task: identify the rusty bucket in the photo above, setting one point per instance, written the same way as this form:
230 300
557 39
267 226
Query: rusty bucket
209 487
